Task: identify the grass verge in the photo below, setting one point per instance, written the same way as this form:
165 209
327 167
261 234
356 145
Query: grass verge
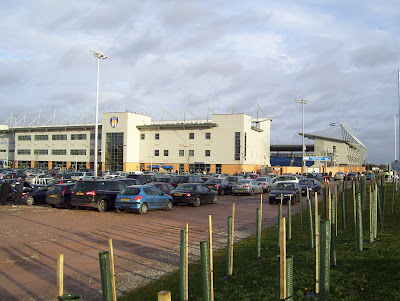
373 274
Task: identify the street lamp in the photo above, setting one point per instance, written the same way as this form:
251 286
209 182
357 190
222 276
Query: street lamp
99 56
303 102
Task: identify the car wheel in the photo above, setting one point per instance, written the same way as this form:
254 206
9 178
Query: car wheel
30 200
143 208
103 206
196 202
169 205
215 199
120 210
222 192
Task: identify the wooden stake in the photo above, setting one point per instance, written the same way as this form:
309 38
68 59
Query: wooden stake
210 245
60 276
282 254
232 238
112 270
164 296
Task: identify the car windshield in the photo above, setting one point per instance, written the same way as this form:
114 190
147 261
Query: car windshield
284 186
186 187
130 191
305 182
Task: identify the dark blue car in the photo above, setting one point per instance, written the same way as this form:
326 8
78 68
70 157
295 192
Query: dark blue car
312 185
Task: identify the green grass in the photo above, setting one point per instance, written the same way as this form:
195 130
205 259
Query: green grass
373 274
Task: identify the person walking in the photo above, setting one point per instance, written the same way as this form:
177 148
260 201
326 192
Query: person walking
5 192
19 187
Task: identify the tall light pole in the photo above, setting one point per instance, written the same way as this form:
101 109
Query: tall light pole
395 132
99 56
303 102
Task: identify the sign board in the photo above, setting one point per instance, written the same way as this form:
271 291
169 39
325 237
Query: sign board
396 165
317 158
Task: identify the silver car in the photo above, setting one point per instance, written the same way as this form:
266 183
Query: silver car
264 182
246 186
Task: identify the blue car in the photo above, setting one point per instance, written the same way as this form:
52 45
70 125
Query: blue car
140 198
312 185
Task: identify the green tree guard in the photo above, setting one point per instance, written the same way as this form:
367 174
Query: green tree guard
182 272
105 272
258 235
205 268
229 245
279 226
359 224
333 230
289 227
324 235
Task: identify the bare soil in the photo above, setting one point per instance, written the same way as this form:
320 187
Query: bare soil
145 246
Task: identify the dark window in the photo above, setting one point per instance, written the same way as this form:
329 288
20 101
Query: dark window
237 145
165 152
181 153
58 152
59 137
42 137
78 136
24 138
208 153
156 152
157 136
24 152
41 152
191 135
191 153
78 152
142 136
208 135
114 152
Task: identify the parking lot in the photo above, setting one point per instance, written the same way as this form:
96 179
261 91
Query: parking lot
145 246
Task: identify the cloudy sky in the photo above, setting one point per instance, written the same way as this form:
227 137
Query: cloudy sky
342 56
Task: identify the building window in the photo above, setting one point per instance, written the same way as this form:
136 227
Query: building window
59 137
208 135
41 152
237 145
78 136
165 152
78 152
208 153
114 152
24 152
24 138
156 152
191 152
191 135
181 153
98 136
58 152
41 137
157 136
142 136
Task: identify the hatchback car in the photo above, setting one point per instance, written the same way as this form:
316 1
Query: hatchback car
246 186
339 176
222 186
60 195
285 191
195 194
312 185
98 194
141 198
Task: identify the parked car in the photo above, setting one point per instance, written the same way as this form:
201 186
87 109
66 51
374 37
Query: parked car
312 185
246 186
81 175
194 193
60 181
60 195
188 179
339 176
234 179
351 175
164 187
98 194
221 186
14 175
143 179
315 175
141 198
369 176
167 179
130 181
285 191
34 195
265 183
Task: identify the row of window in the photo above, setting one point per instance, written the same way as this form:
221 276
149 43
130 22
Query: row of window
207 153
54 152
157 136
53 137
